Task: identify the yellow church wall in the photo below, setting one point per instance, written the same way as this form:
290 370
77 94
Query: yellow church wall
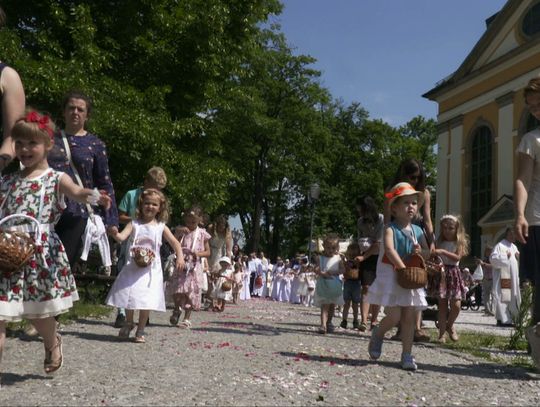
490 83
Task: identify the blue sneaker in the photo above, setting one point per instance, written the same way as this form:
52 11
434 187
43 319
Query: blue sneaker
408 362
375 345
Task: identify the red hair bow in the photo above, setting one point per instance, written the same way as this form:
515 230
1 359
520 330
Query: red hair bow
41 120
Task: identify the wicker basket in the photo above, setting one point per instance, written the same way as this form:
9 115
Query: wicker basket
434 265
143 256
226 285
16 247
414 275
352 272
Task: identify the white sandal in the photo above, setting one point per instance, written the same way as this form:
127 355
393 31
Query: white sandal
185 324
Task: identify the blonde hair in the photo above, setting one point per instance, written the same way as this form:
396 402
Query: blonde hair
157 176
34 124
333 240
462 239
163 213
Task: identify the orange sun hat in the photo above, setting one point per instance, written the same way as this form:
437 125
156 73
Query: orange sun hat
403 189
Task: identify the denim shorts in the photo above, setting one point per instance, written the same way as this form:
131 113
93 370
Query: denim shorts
352 290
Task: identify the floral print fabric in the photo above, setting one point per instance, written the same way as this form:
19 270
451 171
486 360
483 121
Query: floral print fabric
89 155
44 286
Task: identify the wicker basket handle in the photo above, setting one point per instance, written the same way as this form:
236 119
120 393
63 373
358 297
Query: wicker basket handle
25 217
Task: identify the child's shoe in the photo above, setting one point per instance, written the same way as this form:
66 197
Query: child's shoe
343 324
175 317
408 362
139 337
125 330
185 324
375 345
355 324
421 336
452 334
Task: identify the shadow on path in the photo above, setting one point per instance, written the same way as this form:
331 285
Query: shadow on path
14 378
332 360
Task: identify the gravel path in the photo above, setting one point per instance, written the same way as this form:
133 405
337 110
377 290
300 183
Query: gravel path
257 353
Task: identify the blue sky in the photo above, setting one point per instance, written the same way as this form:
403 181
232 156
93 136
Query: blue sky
386 53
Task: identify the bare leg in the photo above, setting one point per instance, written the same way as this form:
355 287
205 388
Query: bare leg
346 307
144 314
46 328
364 305
375 309
418 320
443 311
354 311
2 337
390 320
408 318
130 315
324 316
331 312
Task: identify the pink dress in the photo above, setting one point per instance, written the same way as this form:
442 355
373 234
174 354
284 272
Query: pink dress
188 280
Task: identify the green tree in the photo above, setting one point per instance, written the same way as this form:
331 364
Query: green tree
151 67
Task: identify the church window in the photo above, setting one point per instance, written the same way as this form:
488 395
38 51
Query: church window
481 183
531 21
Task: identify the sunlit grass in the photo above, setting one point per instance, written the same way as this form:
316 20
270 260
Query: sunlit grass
490 347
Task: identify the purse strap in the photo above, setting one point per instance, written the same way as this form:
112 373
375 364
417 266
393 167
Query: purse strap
74 169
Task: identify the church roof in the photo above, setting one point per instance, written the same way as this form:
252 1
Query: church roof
495 28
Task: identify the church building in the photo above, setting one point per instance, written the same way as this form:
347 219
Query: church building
481 118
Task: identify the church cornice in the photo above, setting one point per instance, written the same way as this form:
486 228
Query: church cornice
463 73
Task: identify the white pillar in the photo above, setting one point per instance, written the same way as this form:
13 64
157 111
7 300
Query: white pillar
441 206
455 178
505 146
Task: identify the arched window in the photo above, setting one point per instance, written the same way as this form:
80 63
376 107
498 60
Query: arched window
481 174
531 21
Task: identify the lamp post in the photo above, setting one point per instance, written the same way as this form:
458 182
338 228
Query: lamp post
314 193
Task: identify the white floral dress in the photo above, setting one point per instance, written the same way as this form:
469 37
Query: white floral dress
44 286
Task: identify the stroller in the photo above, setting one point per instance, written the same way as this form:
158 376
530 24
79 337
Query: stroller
473 297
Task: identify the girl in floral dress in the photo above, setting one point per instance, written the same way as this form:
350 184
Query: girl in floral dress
184 284
44 287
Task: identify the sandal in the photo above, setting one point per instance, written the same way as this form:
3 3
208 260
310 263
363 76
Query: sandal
185 324
362 327
126 330
322 330
452 334
139 337
50 365
175 317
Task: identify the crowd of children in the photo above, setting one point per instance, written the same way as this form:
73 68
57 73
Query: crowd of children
359 281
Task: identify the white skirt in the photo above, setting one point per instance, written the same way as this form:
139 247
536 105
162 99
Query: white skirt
386 291
138 288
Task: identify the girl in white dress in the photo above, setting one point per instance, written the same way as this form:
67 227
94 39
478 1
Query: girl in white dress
139 286
329 289
401 238
244 292
224 275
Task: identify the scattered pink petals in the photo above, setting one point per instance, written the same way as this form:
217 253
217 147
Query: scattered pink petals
323 384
